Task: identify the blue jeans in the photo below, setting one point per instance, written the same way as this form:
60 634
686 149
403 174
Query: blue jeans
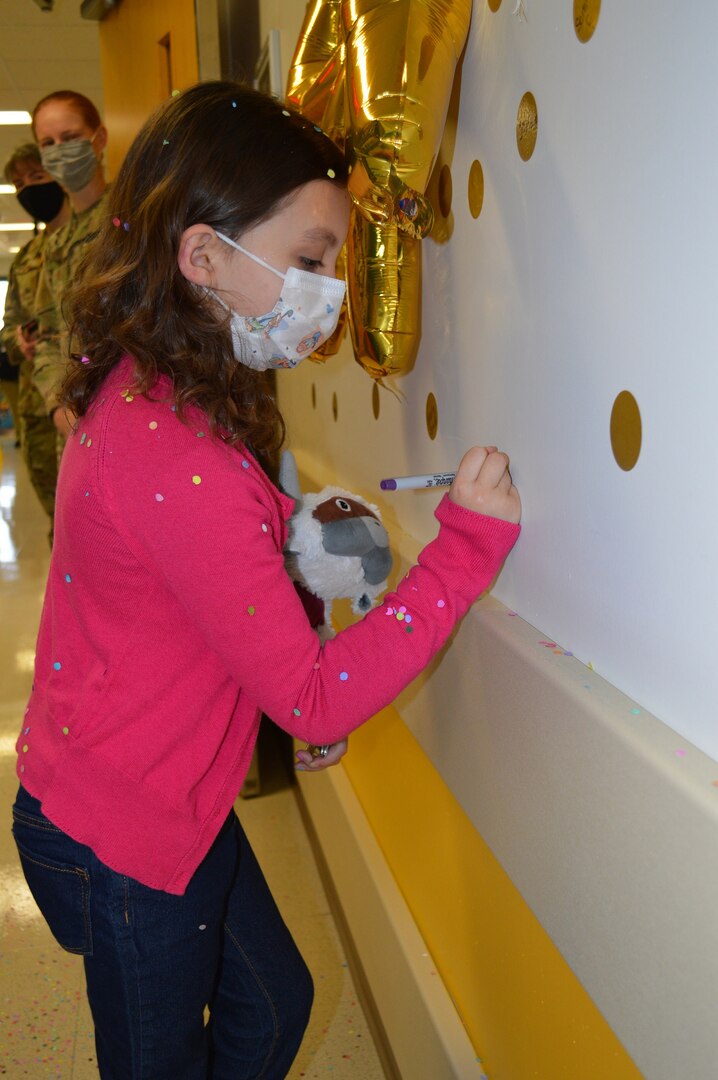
154 961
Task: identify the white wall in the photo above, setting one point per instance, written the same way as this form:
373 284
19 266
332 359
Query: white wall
590 270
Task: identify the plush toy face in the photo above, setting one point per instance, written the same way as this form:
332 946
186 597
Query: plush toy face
349 527
338 547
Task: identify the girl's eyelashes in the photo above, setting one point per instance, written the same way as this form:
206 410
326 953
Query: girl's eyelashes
310 264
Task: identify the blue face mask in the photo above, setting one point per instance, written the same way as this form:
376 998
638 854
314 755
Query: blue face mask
304 316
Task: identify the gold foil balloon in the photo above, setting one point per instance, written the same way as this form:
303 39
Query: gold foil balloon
383 296
377 76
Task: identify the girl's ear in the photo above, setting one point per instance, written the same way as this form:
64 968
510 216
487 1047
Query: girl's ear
197 255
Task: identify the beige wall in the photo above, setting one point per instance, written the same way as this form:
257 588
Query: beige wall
148 48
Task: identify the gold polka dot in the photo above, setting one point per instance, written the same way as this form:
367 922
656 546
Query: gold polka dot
585 18
626 430
527 125
494 5
375 400
196 479
335 407
476 188
432 416
446 191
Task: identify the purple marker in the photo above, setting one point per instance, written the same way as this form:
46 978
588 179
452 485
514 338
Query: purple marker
429 480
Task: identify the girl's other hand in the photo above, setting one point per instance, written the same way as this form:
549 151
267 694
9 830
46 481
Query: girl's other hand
483 484
306 762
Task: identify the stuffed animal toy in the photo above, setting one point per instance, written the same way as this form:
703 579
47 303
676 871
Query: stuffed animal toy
337 546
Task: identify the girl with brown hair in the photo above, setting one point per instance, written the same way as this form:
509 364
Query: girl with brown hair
170 622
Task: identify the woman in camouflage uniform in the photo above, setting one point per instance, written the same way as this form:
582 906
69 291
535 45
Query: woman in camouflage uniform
44 200
71 138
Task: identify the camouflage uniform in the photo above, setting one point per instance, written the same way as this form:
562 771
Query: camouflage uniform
64 252
36 430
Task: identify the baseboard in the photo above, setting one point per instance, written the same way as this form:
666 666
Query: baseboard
417 1029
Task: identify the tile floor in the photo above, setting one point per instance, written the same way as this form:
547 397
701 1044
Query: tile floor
45 1024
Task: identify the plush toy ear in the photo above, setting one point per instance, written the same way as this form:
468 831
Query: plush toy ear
288 475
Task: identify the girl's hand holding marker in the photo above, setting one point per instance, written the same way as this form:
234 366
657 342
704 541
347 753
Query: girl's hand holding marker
482 484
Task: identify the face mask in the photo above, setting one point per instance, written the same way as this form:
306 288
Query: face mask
73 164
43 202
304 316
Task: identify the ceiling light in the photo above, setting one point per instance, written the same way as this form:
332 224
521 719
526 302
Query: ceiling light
18 226
15 117
7 189
13 250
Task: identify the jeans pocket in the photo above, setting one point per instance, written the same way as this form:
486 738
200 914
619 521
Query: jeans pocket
60 889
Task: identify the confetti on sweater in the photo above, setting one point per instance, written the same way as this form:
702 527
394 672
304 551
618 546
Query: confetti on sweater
196 479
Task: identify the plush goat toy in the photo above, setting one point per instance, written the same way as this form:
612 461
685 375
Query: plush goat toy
337 546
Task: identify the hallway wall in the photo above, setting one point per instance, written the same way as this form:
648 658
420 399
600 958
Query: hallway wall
148 48
535 792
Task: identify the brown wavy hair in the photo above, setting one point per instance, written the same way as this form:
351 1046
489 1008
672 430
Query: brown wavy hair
219 154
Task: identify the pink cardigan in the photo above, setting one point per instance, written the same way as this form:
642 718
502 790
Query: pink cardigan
169 622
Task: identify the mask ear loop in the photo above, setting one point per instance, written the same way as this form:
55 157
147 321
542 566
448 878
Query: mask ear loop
254 258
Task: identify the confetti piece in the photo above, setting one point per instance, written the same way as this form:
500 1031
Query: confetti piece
331 174
635 712
297 712
245 464
116 222
441 603
89 442
681 753
68 578
234 104
126 226
165 142
196 479
251 610
175 93
265 528
200 434
84 359
159 498
25 748
129 397
152 425
285 112
82 438
66 731
343 675
57 665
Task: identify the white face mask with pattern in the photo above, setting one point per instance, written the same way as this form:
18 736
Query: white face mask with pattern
304 316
